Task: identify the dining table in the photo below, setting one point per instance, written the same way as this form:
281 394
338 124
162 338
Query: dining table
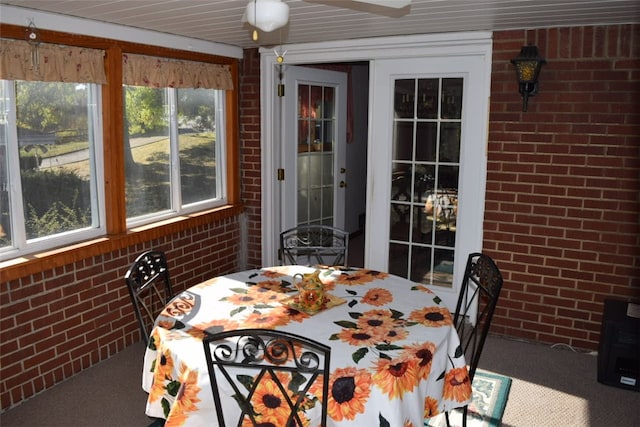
395 354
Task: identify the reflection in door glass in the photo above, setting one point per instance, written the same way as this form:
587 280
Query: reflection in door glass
424 188
316 129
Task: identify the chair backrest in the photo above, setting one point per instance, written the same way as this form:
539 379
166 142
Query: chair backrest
481 285
314 244
150 288
270 377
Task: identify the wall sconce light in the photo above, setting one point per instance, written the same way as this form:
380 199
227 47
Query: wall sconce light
528 65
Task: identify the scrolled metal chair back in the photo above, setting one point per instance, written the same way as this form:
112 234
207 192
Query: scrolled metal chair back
296 369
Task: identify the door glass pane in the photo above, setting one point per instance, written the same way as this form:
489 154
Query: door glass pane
427 98
316 139
450 142
404 98
402 140
426 141
451 98
398 258
424 194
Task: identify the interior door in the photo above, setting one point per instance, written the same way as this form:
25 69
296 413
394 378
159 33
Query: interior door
428 151
314 135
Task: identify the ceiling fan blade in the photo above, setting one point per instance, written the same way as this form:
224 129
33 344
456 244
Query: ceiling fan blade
395 4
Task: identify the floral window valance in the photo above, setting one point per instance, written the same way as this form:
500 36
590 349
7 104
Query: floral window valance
21 60
142 70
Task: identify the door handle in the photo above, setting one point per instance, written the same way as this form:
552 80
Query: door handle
343 184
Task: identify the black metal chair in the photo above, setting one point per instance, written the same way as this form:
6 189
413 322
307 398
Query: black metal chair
314 244
477 301
149 287
274 377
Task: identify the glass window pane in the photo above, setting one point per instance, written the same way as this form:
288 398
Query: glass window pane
147 153
315 204
399 218
427 98
327 204
304 114
398 259
401 182
327 169
448 178
426 141
422 226
442 274
5 212
420 263
452 98
328 107
403 141
404 98
303 206
315 100
327 135
303 171
197 144
53 127
450 142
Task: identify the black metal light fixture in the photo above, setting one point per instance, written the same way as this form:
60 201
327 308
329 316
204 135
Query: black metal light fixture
528 65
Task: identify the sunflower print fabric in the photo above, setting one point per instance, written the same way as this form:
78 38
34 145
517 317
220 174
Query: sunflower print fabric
394 359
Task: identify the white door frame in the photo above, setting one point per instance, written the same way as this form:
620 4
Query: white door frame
370 49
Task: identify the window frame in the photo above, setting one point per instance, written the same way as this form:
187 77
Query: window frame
117 235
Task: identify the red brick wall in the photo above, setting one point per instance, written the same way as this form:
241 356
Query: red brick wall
58 322
563 185
250 166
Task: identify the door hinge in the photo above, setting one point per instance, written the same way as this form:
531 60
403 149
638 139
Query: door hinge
280 89
280 174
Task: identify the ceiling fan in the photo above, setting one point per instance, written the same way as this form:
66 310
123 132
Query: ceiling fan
269 15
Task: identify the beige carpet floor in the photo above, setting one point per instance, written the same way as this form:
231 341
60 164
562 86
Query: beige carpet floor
557 387
551 387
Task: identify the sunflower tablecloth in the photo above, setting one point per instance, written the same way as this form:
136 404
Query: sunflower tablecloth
395 355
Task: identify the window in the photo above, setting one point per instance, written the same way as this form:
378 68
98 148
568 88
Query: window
174 157
69 136
49 192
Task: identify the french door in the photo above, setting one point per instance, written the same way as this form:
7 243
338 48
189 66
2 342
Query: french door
314 124
453 61
428 150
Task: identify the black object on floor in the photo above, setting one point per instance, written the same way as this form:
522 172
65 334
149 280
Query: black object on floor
619 352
